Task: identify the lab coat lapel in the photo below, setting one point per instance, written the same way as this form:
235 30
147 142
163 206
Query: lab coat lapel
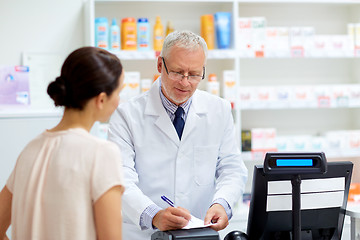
154 107
197 108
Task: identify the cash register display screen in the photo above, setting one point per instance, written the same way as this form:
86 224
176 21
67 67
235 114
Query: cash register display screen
294 162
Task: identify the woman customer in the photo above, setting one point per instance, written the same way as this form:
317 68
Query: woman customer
67 184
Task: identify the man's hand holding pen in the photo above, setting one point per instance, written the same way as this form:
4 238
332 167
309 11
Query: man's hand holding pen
171 218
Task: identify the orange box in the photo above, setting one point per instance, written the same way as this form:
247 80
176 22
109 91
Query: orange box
354 192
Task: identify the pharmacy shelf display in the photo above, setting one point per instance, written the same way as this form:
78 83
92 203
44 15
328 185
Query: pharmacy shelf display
295 65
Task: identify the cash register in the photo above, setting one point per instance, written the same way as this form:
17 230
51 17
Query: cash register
205 233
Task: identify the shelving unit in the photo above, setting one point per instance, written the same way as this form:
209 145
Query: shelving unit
327 18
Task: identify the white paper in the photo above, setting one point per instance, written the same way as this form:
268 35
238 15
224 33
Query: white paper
308 201
196 223
307 185
44 68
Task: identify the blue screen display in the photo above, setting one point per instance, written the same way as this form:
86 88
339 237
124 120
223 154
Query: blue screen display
294 162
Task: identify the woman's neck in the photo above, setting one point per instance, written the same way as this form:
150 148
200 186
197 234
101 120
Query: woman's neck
74 118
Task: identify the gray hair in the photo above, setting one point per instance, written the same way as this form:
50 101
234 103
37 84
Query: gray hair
183 39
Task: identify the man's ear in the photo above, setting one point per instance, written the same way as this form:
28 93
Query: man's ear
100 100
159 64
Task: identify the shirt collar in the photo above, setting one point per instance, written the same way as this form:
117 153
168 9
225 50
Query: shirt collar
171 107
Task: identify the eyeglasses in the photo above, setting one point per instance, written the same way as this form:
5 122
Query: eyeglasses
178 76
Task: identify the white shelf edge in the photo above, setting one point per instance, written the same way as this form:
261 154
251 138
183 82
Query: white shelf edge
151 55
241 1
29 113
297 108
301 1
171 1
217 54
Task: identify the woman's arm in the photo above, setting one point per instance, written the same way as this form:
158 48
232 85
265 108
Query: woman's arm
5 211
108 219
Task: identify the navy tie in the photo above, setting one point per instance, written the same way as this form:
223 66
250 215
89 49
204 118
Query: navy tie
179 121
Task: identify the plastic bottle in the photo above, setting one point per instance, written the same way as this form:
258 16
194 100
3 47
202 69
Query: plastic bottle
223 29
128 34
114 36
143 34
212 85
169 28
101 33
158 34
207 30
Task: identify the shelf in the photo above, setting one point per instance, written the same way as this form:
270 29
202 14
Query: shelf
152 55
6 113
167 1
288 108
242 1
286 63
226 54
301 1
135 55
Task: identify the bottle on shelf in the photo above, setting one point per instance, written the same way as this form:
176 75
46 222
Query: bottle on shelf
169 28
101 33
128 34
212 85
114 36
223 29
143 34
158 34
207 31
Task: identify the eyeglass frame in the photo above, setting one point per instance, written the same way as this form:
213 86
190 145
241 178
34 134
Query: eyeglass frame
183 76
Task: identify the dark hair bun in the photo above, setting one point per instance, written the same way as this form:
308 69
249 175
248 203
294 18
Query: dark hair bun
86 72
57 91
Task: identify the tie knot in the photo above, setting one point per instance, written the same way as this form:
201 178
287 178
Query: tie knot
179 112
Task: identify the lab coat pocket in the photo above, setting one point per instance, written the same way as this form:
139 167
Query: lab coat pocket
205 160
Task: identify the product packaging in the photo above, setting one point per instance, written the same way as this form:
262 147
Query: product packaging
128 34
14 86
207 30
244 37
212 85
308 34
143 34
354 90
169 28
101 33
283 96
320 46
357 39
131 86
114 36
246 95
245 140
296 41
258 25
271 46
146 84
283 49
262 140
229 86
351 34
158 34
223 29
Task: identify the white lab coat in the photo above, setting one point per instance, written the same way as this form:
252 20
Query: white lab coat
203 166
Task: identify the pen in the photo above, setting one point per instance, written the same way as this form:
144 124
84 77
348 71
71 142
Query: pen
168 201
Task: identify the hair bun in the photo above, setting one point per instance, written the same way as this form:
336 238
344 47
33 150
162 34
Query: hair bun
57 91
60 80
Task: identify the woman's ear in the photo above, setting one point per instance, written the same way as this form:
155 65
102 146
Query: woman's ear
100 100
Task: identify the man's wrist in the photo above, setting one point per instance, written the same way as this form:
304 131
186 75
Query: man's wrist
225 205
147 216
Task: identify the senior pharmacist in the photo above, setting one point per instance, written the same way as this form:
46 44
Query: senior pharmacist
179 142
